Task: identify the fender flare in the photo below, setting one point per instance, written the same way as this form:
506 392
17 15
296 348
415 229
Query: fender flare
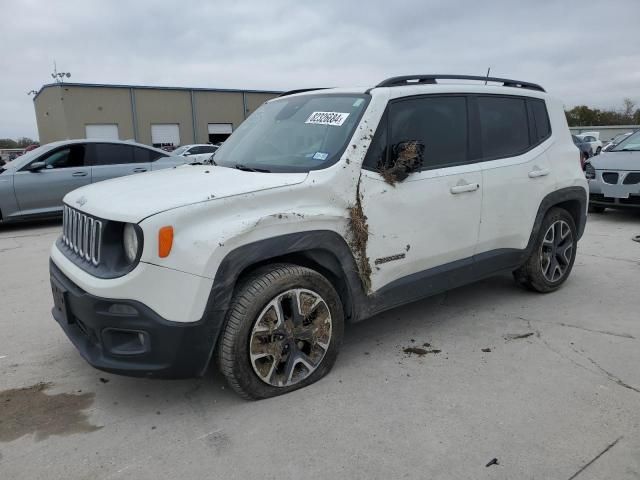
323 247
555 198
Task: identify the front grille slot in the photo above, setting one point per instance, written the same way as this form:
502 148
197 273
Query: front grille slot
82 234
632 178
610 177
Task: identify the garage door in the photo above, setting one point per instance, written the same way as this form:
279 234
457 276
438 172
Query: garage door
164 134
220 128
102 131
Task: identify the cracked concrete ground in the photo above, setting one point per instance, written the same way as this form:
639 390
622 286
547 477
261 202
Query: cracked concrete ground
562 403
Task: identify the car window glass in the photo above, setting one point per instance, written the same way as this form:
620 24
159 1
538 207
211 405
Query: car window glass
504 129
377 150
72 156
112 154
440 123
142 155
541 119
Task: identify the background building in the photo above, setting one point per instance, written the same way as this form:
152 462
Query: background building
158 116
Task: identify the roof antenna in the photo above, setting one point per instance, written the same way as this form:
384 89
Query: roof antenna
487 77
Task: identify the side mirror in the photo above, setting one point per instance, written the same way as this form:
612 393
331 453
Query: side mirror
186 154
405 158
37 166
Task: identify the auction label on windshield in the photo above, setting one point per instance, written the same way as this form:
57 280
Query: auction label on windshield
327 118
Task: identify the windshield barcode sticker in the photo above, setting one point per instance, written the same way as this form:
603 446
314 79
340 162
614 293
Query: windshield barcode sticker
327 118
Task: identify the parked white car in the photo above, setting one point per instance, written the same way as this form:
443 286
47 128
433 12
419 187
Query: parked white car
198 153
615 141
323 207
593 139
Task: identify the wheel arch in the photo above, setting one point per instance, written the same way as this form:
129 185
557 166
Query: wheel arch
573 199
322 250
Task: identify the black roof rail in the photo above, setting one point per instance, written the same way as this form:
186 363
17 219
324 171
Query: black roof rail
431 79
302 90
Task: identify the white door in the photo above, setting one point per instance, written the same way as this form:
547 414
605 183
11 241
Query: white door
516 169
102 131
163 134
431 218
219 128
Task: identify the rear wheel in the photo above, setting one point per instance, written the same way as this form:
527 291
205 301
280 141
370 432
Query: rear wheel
553 254
283 332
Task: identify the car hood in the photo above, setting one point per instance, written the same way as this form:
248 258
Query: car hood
136 197
616 161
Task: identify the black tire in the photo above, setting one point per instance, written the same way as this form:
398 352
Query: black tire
598 151
596 209
532 275
252 297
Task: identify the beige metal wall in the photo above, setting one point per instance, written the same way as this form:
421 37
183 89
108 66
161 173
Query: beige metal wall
163 106
97 105
216 107
50 118
254 100
62 112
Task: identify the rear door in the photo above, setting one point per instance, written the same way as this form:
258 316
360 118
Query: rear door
515 134
41 192
111 160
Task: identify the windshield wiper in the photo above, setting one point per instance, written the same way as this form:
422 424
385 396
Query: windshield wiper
629 150
244 168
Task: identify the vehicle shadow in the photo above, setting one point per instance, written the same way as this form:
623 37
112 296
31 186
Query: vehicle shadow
29 226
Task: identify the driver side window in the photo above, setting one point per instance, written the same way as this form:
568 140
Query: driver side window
72 156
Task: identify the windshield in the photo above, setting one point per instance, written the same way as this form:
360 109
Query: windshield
22 160
180 150
631 143
294 134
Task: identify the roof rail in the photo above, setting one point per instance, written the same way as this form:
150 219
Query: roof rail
431 79
301 90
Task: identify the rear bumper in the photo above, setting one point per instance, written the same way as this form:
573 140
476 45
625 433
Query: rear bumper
127 337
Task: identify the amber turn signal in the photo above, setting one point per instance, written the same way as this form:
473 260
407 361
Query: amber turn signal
165 241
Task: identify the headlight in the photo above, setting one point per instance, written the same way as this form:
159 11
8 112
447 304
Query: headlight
130 242
589 171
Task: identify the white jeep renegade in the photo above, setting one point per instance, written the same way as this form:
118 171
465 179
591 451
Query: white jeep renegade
325 206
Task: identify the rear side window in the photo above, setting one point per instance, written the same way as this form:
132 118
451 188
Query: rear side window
112 154
504 129
542 129
142 155
440 123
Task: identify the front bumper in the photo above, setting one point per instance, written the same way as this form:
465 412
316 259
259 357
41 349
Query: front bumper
127 337
633 201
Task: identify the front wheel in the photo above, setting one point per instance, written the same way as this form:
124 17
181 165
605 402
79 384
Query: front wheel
283 331
598 150
553 254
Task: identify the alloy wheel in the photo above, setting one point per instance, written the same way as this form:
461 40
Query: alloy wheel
290 337
556 251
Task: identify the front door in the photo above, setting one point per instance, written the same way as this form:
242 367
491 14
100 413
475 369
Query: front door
40 192
431 219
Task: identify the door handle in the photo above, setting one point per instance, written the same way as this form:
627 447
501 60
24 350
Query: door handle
467 187
79 174
539 172
139 170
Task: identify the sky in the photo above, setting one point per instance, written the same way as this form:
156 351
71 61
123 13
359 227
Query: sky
582 51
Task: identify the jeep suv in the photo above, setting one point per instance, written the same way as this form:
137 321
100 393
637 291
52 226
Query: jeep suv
325 206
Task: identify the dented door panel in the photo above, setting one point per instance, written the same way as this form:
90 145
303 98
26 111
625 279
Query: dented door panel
431 218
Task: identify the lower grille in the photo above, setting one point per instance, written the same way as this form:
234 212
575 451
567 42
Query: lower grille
598 197
82 234
610 177
632 200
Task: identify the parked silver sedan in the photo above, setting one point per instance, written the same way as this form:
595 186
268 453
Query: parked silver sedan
614 176
32 186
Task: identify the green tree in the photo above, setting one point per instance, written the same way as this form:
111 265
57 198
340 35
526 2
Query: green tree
8 143
23 142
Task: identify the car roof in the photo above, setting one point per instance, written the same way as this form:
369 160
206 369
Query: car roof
75 141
